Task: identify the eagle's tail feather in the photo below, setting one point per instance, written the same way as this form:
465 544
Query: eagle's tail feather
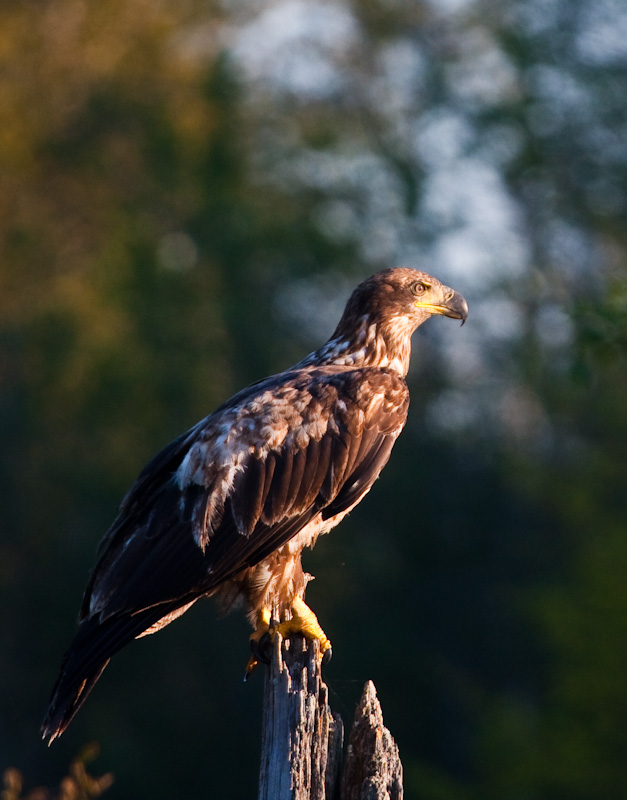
94 644
67 697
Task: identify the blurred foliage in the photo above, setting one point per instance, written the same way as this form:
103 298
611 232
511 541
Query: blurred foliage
77 785
188 191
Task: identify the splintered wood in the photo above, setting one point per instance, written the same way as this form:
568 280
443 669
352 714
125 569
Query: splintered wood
372 768
302 739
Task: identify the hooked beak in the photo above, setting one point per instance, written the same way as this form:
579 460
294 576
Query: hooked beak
455 306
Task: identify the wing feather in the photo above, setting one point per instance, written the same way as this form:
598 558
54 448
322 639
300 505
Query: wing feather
324 475
361 480
338 462
304 494
270 467
299 459
276 501
247 495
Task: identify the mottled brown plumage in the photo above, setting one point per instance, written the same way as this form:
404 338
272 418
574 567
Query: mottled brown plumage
227 508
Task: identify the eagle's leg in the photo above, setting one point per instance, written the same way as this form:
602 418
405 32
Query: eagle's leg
305 623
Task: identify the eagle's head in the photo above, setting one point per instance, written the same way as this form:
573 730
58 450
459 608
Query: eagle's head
404 294
384 311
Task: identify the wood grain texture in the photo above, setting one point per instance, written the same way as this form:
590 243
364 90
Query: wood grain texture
302 738
372 768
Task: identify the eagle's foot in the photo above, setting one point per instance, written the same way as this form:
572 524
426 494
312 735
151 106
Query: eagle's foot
303 623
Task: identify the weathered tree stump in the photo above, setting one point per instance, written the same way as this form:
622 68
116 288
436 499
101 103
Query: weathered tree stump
301 745
372 768
302 738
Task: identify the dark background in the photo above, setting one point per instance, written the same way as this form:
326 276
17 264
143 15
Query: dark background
188 193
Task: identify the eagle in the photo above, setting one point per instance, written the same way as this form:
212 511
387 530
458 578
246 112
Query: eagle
227 508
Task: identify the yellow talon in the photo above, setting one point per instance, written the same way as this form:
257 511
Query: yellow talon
303 623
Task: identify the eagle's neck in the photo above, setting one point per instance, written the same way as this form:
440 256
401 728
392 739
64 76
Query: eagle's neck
368 344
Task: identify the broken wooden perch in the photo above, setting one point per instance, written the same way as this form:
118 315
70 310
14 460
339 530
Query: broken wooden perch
302 739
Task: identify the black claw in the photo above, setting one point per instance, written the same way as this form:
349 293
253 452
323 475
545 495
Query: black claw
262 648
326 656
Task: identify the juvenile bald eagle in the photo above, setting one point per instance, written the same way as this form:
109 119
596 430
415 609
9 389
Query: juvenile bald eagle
226 509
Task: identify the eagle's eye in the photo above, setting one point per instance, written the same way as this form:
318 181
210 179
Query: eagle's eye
419 288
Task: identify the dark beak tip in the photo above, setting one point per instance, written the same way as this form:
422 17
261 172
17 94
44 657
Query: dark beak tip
461 307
